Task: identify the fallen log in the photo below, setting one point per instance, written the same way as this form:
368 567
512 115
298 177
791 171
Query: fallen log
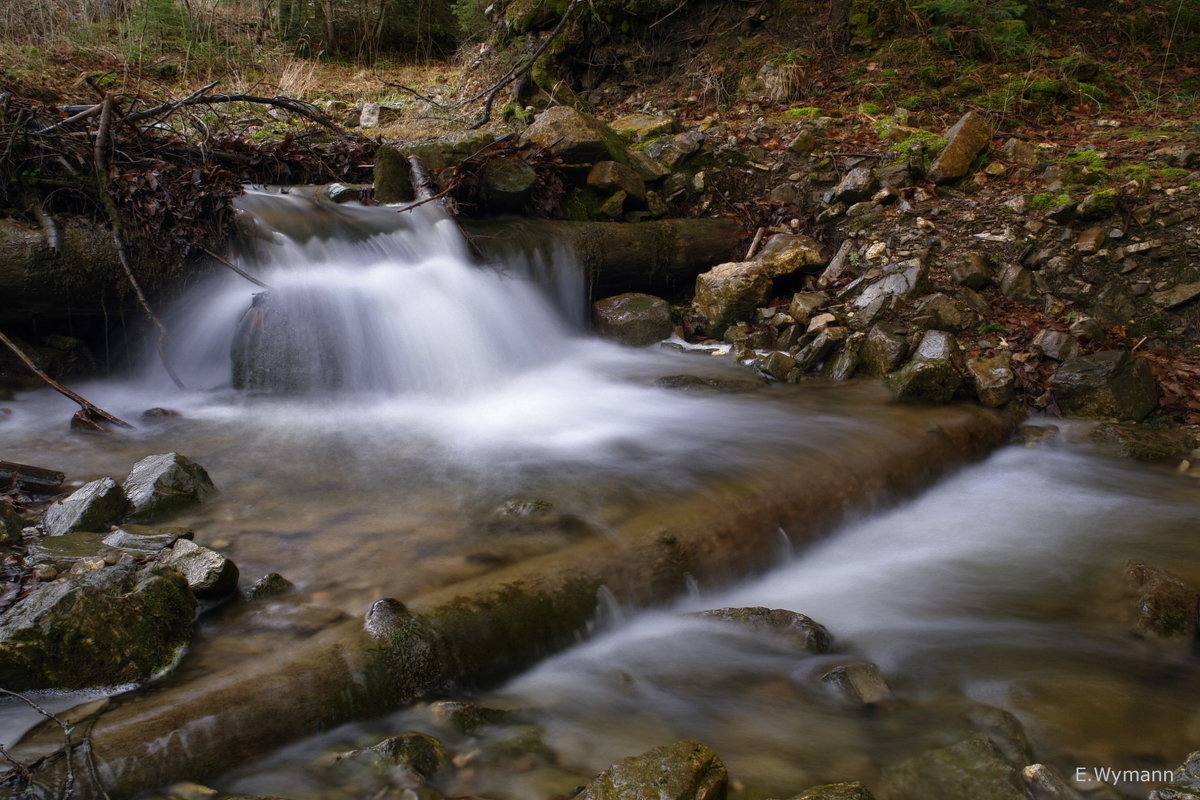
662 256
27 478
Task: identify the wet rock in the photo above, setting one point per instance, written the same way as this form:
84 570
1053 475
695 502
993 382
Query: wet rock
804 304
295 619
144 540
974 271
1110 383
506 184
336 192
1165 606
385 617
1144 442
1186 785
208 573
934 373
466 718
633 319
857 185
1056 345
1046 783
418 753
393 177
11 524
842 366
63 551
694 383
576 137
645 127
992 378
522 515
685 770
613 176
163 484
798 630
860 683
968 138
93 507
784 254
836 791
969 770
815 352
899 280
105 627
729 292
882 351
448 150
777 365
940 312
270 585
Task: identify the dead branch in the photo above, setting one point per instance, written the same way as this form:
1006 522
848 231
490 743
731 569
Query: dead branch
520 69
87 113
758 237
87 406
414 93
200 97
114 225
28 478
234 267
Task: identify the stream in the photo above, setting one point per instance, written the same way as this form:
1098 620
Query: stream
437 394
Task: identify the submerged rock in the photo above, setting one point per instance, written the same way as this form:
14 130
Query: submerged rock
418 753
685 770
1110 383
93 507
797 629
836 791
102 627
163 484
465 718
861 683
1165 606
633 319
1186 785
969 770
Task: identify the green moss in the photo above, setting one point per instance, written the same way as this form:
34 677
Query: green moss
1137 172
1171 173
871 109
1044 200
805 112
1091 159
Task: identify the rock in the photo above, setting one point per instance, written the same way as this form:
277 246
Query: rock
836 791
899 280
92 507
992 377
972 769
614 207
940 312
1047 783
1186 785
1055 345
1165 606
11 524
777 365
968 138
448 150
1091 240
1088 330
842 366
63 551
685 770
1016 282
105 627
633 319
857 185
784 254
418 753
393 176
973 270
1144 442
1020 152
648 168
144 540
369 116
1110 383
336 192
1098 205
804 304
466 718
507 184
816 351
576 137
798 630
161 485
1177 296
861 683
208 573
729 292
270 585
613 176
644 127
933 374
672 151
882 351
804 143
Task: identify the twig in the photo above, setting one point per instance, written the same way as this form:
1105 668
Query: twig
519 70
69 785
758 237
414 93
234 267
87 113
85 404
425 200
114 224
200 98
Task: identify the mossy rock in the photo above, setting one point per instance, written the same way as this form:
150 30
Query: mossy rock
685 770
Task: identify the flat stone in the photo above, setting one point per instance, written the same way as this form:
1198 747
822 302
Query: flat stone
644 127
93 507
145 539
861 683
1177 296
968 138
784 254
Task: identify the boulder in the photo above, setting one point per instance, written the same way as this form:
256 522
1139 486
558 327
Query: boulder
98 628
208 573
92 507
786 253
968 138
796 629
882 351
1165 607
161 485
729 292
992 378
860 683
448 150
1186 785
1110 383
836 791
576 137
972 769
934 374
685 770
644 127
507 184
940 312
633 319
842 366
613 176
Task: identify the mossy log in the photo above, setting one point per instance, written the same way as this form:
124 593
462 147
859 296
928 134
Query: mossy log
661 256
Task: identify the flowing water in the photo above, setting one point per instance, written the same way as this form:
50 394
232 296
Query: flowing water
437 391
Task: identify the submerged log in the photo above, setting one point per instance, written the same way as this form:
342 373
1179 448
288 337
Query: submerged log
656 257
29 478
